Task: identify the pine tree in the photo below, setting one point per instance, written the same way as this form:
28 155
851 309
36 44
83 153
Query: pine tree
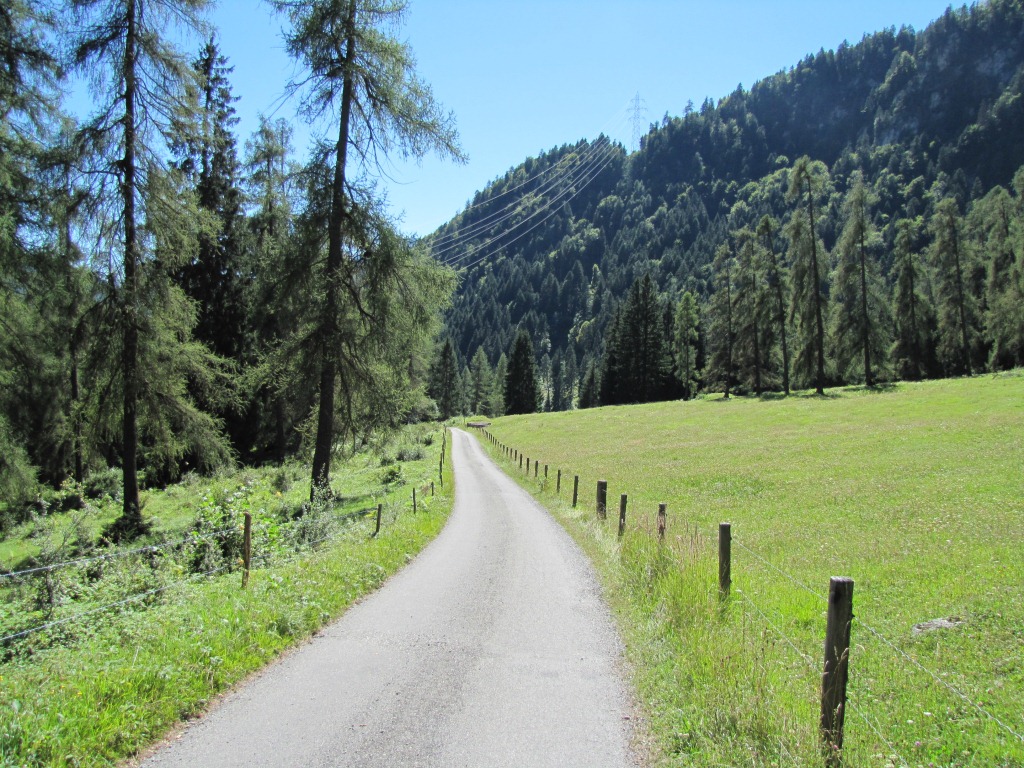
807 256
444 383
521 390
685 340
911 313
612 386
636 367
589 390
860 311
721 330
355 71
277 401
207 158
955 306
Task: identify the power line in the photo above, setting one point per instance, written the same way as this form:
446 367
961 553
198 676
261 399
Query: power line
614 121
527 231
448 242
575 175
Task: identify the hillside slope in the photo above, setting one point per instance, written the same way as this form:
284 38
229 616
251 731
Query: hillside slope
555 244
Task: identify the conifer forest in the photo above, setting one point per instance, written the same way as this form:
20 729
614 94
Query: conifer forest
177 298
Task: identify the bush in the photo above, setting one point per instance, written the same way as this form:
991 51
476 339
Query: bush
392 474
106 482
410 453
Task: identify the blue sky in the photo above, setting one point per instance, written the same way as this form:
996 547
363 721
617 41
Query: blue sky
524 76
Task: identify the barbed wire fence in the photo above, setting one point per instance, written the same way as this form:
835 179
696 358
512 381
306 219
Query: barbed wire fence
33 597
807 661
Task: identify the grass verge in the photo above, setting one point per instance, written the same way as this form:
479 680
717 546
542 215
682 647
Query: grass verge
915 492
124 682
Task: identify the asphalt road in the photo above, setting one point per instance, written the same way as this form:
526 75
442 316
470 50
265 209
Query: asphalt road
492 648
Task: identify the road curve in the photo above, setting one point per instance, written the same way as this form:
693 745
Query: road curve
492 648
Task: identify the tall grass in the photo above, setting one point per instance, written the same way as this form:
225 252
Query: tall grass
915 492
124 680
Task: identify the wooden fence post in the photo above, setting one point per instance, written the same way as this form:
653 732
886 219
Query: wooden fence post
575 489
527 465
836 668
246 549
380 509
536 468
724 560
545 471
662 520
602 499
622 515
431 487
558 483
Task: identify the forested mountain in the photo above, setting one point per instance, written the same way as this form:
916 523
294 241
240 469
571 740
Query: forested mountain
914 118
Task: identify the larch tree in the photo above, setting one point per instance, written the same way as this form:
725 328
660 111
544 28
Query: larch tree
480 383
778 284
860 316
143 86
994 224
911 313
29 89
357 75
955 308
752 326
807 258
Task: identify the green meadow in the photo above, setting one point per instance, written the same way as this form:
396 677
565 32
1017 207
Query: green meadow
916 492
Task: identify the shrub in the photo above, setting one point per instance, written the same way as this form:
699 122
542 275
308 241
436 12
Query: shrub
105 482
392 474
410 453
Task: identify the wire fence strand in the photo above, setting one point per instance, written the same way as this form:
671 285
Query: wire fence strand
115 555
948 686
99 609
874 728
778 570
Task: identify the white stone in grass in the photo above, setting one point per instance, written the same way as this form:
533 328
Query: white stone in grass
936 624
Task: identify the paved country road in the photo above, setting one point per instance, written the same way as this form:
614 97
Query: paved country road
492 648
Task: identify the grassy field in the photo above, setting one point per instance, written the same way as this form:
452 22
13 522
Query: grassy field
916 492
94 691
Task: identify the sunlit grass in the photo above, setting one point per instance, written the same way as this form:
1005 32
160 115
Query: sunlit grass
120 685
916 492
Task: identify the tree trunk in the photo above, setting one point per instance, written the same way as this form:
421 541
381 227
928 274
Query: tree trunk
130 522
328 372
865 321
961 302
728 332
819 323
757 329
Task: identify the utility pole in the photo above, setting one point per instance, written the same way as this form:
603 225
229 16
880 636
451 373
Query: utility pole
639 115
